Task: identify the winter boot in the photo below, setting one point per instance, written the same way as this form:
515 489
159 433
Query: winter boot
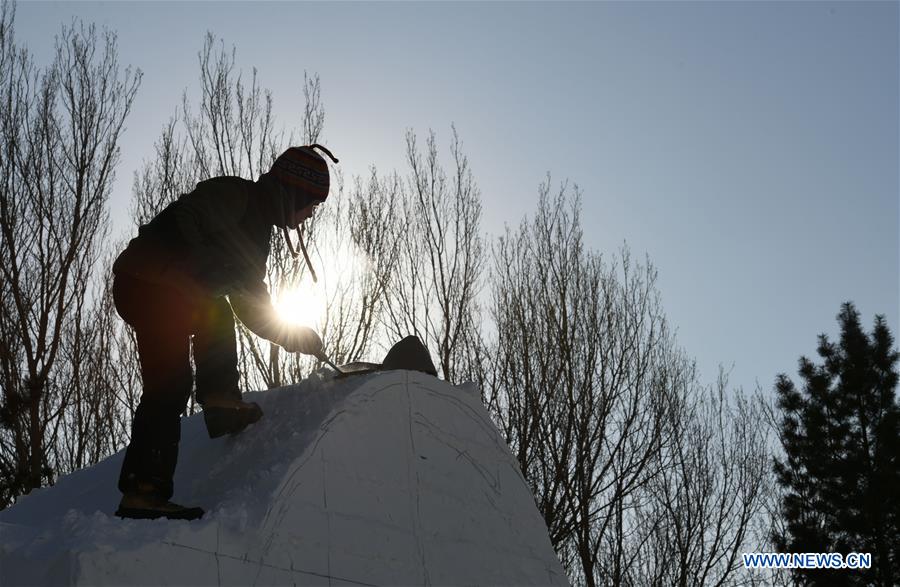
229 416
147 505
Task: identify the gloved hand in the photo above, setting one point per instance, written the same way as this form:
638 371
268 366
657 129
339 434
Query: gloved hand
301 339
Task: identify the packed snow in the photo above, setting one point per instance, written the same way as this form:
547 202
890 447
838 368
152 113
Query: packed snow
393 478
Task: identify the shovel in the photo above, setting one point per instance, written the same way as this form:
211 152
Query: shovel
355 368
324 358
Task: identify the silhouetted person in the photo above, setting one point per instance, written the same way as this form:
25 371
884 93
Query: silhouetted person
171 284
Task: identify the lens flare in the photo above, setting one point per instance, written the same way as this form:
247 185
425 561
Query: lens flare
302 305
338 290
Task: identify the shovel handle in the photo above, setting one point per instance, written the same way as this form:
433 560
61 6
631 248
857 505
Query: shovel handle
324 358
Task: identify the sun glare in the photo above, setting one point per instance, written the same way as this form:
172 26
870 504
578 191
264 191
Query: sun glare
303 305
306 303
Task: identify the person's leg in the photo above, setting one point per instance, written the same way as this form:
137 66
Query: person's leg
215 353
152 454
161 322
215 357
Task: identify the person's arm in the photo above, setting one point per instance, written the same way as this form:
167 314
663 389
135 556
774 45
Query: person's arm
254 309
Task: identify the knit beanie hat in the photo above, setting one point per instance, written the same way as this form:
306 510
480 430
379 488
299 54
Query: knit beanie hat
303 171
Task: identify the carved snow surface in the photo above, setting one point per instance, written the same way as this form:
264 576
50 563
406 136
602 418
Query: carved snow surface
392 478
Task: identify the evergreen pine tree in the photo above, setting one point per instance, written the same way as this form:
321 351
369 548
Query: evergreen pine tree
841 467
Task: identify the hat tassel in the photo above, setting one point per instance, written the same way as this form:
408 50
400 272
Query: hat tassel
294 253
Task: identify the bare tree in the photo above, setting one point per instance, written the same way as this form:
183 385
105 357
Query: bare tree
624 418
233 132
642 476
707 505
168 175
436 275
59 131
580 345
104 373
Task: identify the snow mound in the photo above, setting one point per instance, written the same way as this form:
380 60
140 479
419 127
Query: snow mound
394 478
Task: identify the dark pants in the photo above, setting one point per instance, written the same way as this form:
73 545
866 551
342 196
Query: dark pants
165 322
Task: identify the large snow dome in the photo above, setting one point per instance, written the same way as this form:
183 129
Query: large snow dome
393 478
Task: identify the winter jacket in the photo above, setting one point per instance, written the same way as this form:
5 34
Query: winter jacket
212 241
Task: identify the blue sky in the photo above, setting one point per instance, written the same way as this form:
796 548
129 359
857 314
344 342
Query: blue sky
750 149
